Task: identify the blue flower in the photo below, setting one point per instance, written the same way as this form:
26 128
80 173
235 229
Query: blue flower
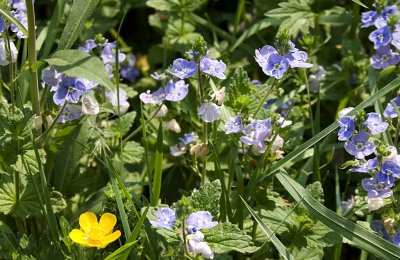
396 39
188 138
129 71
368 18
359 146
276 66
389 10
346 128
380 22
213 67
69 90
183 69
209 112
176 91
199 220
380 37
23 19
165 218
396 238
384 58
387 173
4 56
154 98
263 54
377 226
108 54
298 59
234 125
123 99
2 25
375 124
197 245
376 189
51 77
71 112
88 46
390 111
366 167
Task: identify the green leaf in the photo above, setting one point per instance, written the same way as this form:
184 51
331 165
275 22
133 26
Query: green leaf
30 159
174 5
226 237
360 3
76 63
208 198
4 12
316 191
358 235
58 203
121 252
239 91
122 125
157 177
80 12
132 153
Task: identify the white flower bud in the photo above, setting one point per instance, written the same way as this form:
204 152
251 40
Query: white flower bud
219 96
89 106
160 112
38 122
173 126
375 203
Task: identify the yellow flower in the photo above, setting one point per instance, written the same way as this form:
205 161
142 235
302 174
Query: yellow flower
93 233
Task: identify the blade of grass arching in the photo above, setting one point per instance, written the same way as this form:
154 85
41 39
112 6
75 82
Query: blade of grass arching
255 28
361 237
277 243
51 28
80 12
157 177
4 12
360 3
121 252
239 13
318 137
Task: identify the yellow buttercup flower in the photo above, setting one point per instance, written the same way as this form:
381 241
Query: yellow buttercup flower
93 233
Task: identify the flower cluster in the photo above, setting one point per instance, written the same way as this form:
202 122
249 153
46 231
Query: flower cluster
200 220
385 36
275 65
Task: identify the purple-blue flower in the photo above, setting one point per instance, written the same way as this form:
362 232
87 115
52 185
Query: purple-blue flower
69 90
381 37
368 18
376 189
129 72
51 77
199 220
234 125
387 173
2 25
183 69
256 133
390 111
377 226
384 58
389 10
366 167
375 124
108 54
263 54
209 112
396 238
165 218
276 66
176 91
188 138
154 98
213 67
298 59
71 112
23 19
88 46
359 146
346 130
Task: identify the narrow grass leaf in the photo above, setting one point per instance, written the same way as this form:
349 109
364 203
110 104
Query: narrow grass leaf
360 3
358 235
4 12
121 252
157 177
80 12
277 243
52 27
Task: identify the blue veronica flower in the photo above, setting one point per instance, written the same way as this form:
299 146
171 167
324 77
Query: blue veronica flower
298 59
183 69
196 245
177 150
390 111
396 238
263 54
108 54
129 72
165 218
256 133
276 66
346 130
68 90
375 124
209 112
23 19
387 173
199 220
377 226
51 77
366 167
285 106
154 98
123 100
213 67
376 189
256 82
71 112
270 102
389 10
396 39
381 37
176 91
234 125
262 128
368 18
384 58
88 46
2 25
4 56
380 22
359 146
188 138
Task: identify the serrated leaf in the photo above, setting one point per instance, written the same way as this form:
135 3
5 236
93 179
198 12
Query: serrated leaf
76 63
226 237
30 159
80 12
132 152
208 198
121 125
58 203
239 89
315 190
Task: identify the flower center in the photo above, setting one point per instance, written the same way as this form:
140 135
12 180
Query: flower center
71 89
359 146
379 186
385 57
389 172
277 66
380 37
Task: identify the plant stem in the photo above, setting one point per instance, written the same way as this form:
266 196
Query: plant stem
32 57
265 97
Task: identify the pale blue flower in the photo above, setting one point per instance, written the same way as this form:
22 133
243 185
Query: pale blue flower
276 66
213 67
359 146
176 91
154 98
209 112
165 218
183 69
199 220
380 37
234 125
375 124
346 130
368 18
390 111
376 189
387 173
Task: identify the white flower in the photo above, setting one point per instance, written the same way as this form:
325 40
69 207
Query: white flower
209 112
219 96
283 123
173 126
197 245
375 203
89 106
37 120
177 150
160 112
3 53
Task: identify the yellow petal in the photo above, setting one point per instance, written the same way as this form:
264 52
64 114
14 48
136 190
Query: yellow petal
111 238
87 220
107 223
78 236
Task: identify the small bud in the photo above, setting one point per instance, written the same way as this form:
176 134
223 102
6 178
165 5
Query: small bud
199 150
89 106
142 63
49 120
160 112
38 122
173 126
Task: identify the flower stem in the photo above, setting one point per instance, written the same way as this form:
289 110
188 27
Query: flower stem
32 57
265 97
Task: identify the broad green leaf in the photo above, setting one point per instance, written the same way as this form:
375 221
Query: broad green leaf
76 63
240 90
121 252
174 5
30 159
353 232
208 198
80 12
132 153
4 12
226 237
158 165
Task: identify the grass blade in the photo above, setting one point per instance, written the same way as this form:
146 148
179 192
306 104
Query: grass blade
121 252
360 3
6 14
157 178
358 235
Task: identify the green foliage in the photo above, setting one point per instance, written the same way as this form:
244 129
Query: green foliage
207 198
239 91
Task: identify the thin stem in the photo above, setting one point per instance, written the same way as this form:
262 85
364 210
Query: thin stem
265 97
32 57
12 85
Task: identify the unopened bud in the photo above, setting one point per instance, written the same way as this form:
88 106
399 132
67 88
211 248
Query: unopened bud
49 120
160 112
173 126
89 106
38 122
199 150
